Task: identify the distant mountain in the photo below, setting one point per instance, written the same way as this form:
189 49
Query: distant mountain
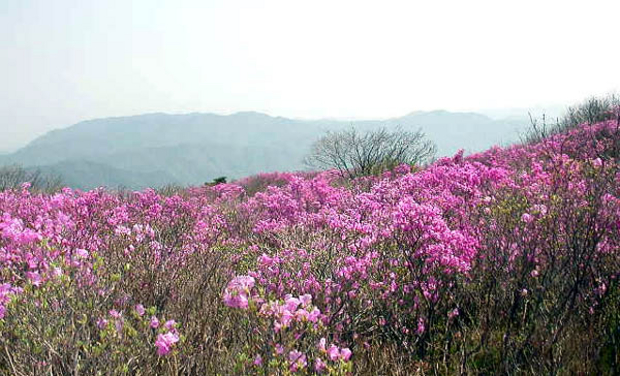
156 149
87 175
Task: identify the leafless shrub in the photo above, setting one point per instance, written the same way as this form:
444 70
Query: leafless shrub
590 111
357 154
13 176
171 190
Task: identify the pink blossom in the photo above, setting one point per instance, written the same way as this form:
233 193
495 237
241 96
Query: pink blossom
118 324
164 342
345 354
140 309
527 218
35 278
333 352
169 324
291 303
306 299
319 365
237 292
421 328
297 360
314 315
454 313
258 360
279 349
154 322
102 323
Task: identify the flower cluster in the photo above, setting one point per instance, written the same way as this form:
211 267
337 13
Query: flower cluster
517 238
237 293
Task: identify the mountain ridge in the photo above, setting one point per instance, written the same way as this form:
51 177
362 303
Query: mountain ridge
195 147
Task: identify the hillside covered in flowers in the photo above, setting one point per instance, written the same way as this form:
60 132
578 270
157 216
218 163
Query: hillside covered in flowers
505 261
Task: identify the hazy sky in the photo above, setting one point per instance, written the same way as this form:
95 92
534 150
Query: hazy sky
63 61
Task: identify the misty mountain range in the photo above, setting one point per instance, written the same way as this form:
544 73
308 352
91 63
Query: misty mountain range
153 150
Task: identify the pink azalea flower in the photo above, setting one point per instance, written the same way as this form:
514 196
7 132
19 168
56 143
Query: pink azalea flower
333 353
345 354
306 299
279 349
169 324
314 315
118 324
102 323
34 278
453 313
291 303
164 342
154 322
258 360
286 318
140 309
319 365
297 360
237 292
421 327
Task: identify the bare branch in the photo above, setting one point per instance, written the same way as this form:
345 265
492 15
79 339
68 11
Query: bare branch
358 154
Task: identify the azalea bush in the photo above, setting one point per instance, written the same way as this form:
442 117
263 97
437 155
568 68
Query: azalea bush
505 261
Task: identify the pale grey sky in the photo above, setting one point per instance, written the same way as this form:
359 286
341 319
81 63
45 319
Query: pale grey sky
64 61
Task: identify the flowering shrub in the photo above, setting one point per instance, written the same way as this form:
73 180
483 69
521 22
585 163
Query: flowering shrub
498 261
